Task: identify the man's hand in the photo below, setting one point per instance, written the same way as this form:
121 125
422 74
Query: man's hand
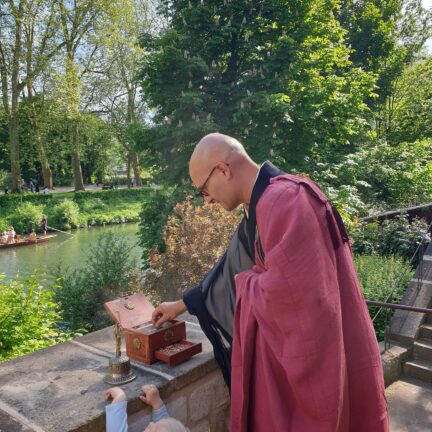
167 311
151 396
116 393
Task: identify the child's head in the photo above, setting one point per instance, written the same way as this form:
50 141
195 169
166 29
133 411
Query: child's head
168 424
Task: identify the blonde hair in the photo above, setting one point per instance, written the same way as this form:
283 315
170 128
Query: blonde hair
170 424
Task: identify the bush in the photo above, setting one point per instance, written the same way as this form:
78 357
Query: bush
378 276
28 318
92 205
65 214
26 217
107 274
5 179
391 237
194 237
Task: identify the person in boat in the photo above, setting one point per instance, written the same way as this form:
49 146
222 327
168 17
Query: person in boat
4 237
44 224
32 235
303 344
11 235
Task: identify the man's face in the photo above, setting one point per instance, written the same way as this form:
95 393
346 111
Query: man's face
215 186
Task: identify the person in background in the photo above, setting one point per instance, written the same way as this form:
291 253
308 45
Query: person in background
4 237
116 416
6 190
32 235
44 224
31 186
11 235
46 191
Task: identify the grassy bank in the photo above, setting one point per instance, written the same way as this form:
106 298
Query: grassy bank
72 209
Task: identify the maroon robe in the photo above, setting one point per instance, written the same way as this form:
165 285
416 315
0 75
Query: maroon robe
305 356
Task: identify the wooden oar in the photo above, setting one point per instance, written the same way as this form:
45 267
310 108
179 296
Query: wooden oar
55 229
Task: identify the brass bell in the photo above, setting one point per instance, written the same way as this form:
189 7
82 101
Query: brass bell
119 367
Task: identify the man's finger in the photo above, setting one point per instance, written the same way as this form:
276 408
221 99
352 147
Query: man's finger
160 321
155 315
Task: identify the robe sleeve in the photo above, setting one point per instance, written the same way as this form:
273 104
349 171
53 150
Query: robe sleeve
294 296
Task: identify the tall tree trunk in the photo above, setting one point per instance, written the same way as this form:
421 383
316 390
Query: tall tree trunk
133 156
76 162
128 170
14 150
136 168
15 91
46 169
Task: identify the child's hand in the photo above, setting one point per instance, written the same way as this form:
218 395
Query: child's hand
151 396
116 393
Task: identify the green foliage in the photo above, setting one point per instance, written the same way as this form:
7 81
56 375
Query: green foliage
385 36
106 274
5 179
26 217
378 177
276 75
64 215
412 104
391 237
378 277
153 217
29 317
400 175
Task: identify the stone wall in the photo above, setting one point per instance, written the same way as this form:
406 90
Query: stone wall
60 389
202 406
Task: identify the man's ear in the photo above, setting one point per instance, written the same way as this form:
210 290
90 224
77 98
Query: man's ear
225 169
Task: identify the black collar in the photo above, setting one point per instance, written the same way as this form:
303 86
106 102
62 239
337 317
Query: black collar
266 172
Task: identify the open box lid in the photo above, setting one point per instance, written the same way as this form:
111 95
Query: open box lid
130 311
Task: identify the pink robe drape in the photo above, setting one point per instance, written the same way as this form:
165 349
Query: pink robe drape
305 356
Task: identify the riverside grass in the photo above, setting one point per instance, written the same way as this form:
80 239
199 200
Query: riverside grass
74 209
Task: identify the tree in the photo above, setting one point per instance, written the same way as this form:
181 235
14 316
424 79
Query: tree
77 21
27 43
117 87
385 36
411 117
277 75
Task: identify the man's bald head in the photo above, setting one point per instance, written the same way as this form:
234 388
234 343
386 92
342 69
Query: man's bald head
222 170
213 148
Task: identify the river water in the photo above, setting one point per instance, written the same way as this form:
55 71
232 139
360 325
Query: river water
68 250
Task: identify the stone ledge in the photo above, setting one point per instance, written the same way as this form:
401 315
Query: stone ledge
61 388
392 360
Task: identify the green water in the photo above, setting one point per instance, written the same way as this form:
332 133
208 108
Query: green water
69 250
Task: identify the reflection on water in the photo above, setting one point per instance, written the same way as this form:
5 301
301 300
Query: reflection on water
65 249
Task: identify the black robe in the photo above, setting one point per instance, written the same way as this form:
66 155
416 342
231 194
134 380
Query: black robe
212 301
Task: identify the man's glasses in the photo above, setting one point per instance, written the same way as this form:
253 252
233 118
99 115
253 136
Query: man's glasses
200 191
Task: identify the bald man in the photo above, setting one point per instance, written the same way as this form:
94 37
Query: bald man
286 297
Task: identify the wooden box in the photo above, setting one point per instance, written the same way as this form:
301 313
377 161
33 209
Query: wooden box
134 313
